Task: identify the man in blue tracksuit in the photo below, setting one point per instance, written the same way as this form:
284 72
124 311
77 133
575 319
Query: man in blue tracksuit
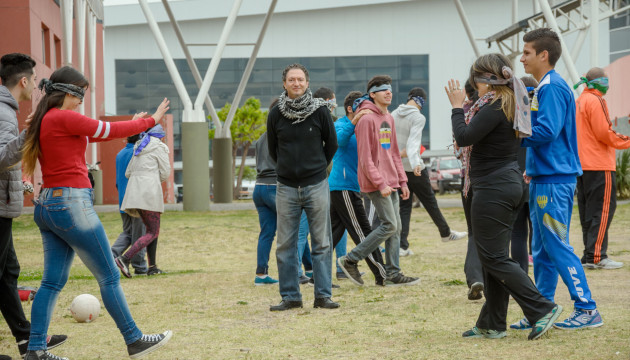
346 205
552 167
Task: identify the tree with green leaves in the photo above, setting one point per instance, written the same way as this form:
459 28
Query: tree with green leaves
248 125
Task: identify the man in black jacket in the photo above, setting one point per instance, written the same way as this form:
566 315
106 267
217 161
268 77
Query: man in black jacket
302 141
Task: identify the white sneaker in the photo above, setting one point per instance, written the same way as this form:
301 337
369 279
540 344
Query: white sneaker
455 235
606 264
403 252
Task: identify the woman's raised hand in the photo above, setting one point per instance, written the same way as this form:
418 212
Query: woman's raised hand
455 93
161 110
139 115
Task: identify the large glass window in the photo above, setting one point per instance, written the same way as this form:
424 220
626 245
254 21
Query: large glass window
141 83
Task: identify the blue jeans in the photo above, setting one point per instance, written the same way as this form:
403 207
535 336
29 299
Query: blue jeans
388 231
315 201
265 201
304 251
69 224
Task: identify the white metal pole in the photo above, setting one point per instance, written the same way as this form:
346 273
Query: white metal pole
594 32
577 47
515 37
91 42
168 59
566 56
218 53
248 70
536 6
462 15
66 23
192 65
80 8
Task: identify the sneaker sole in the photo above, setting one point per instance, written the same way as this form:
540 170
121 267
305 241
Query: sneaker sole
415 282
167 337
475 292
455 239
121 266
550 324
265 284
600 267
352 280
581 327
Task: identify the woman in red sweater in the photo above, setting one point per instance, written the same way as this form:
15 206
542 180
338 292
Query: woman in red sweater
57 137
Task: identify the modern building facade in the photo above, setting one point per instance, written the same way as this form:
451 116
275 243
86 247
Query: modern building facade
418 43
35 27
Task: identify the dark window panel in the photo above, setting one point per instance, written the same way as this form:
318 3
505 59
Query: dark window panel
620 40
381 61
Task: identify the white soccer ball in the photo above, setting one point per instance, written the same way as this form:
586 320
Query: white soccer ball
85 308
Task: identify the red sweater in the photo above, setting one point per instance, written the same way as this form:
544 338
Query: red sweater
377 147
63 139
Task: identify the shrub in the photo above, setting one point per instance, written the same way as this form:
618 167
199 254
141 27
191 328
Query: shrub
623 175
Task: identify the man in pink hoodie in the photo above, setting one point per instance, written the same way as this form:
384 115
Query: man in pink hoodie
380 174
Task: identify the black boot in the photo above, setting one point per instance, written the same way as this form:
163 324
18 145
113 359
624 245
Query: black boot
325 303
286 305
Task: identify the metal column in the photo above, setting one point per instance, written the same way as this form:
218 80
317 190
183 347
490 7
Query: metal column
462 15
594 32
248 69
566 56
191 63
66 23
194 131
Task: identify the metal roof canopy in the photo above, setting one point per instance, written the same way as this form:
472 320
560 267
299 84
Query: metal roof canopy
523 25
194 122
575 17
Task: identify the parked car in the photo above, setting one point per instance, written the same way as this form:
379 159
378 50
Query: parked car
445 174
247 189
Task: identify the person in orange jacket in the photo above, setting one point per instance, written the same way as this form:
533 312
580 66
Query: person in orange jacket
596 188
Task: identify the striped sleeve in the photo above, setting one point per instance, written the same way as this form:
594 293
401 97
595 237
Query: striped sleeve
98 130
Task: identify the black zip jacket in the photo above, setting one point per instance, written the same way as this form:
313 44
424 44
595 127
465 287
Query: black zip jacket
301 151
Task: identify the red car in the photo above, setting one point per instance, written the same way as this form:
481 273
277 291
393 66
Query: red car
445 174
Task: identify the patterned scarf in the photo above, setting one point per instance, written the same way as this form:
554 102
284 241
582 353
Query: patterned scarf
300 108
466 151
601 84
419 100
522 108
145 137
366 96
71 89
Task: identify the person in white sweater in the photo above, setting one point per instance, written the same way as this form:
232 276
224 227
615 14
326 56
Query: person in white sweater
148 168
409 123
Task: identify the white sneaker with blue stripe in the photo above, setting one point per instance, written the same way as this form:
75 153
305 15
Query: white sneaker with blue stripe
580 319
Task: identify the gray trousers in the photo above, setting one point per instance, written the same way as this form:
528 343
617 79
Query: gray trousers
133 229
388 231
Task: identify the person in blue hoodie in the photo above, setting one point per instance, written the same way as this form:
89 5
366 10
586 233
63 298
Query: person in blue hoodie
552 167
346 204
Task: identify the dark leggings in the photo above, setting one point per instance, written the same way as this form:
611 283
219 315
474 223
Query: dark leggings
151 220
521 233
496 197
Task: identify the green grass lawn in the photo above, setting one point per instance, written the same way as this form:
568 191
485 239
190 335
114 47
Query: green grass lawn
209 300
